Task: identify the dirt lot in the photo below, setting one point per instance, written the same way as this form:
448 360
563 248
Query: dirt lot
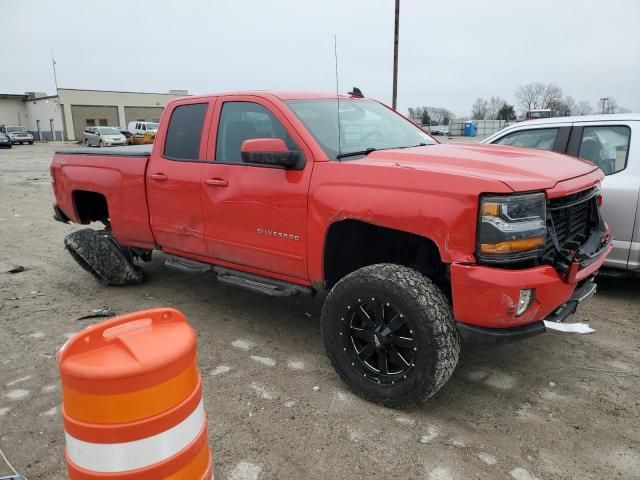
549 407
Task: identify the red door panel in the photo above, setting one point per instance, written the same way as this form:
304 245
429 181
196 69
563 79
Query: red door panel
174 205
174 184
255 216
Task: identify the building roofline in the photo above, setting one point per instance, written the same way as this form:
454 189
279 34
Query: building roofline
40 98
14 95
119 91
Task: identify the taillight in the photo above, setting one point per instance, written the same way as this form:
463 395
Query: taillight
599 200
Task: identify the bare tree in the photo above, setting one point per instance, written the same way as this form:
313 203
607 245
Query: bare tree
529 96
551 96
437 115
479 109
495 104
559 107
583 108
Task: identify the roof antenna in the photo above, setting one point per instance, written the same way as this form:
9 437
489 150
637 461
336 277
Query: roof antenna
335 53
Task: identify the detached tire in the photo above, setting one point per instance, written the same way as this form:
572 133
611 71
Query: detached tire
101 256
390 334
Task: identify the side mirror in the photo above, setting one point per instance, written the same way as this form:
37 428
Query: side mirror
269 151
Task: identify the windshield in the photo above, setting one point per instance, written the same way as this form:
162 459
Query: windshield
109 131
16 130
364 125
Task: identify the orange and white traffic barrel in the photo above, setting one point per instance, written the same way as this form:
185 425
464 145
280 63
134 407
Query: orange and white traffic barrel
132 400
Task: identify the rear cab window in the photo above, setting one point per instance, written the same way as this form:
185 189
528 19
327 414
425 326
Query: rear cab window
185 132
607 146
540 138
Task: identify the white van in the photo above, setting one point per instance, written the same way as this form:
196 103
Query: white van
140 128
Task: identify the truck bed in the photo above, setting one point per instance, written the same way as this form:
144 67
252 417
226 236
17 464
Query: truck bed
105 183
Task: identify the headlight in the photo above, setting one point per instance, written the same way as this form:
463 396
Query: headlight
511 228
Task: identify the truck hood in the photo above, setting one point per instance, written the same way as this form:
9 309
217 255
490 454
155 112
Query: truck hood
521 169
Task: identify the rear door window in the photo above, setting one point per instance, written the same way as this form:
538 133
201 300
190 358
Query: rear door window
540 138
185 131
606 146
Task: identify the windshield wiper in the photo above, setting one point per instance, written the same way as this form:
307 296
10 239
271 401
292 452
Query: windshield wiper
411 146
364 152
371 149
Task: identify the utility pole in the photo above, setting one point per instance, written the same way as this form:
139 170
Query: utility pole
55 76
603 105
394 100
57 101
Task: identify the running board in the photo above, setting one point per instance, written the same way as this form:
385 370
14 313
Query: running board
187 265
248 281
264 285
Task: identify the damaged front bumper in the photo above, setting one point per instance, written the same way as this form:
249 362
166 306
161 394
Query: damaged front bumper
555 322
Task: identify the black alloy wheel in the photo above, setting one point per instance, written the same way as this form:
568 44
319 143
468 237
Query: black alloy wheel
379 340
389 333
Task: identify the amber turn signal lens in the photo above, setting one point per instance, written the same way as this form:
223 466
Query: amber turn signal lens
491 209
513 245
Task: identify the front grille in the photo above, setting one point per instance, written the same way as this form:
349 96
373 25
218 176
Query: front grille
573 218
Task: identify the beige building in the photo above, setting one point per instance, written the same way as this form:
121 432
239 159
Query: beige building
66 114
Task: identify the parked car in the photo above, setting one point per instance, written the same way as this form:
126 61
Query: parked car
103 136
5 141
140 128
440 130
412 242
17 134
613 143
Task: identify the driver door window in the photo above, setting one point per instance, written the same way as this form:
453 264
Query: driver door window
541 138
240 121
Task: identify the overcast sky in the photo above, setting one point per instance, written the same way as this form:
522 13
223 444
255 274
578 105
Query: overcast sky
451 52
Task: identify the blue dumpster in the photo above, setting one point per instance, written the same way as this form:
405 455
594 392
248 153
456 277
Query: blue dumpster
470 129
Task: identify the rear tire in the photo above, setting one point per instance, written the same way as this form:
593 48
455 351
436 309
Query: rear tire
100 255
31 142
381 311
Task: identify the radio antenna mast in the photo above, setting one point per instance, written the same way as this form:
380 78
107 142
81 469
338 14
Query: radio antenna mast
335 53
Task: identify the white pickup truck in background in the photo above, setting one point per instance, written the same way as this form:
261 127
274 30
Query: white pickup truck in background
613 143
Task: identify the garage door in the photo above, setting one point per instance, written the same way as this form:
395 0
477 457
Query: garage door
84 115
143 114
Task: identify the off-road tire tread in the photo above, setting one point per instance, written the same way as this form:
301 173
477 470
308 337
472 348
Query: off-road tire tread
436 308
100 255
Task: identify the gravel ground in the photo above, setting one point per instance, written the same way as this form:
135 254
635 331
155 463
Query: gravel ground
549 407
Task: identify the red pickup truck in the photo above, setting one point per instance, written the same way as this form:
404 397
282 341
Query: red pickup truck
414 243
